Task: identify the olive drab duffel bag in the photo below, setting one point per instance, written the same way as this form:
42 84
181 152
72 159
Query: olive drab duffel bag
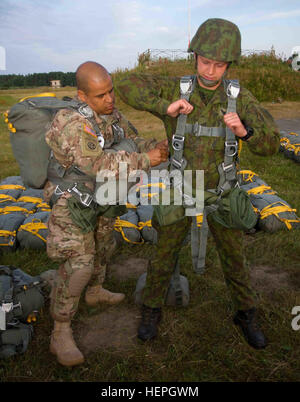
21 299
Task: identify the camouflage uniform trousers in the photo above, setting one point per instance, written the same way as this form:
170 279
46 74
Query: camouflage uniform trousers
83 257
229 243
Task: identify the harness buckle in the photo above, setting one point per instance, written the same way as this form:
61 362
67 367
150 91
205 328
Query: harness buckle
177 142
227 168
231 146
118 133
186 86
178 164
85 111
58 191
85 198
101 141
7 307
233 90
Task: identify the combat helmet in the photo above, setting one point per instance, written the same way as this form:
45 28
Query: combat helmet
217 39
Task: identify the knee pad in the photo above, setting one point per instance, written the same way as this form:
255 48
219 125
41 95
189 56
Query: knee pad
81 272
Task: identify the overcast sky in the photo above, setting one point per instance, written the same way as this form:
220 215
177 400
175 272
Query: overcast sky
58 35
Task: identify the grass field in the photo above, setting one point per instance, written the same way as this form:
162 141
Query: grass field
199 342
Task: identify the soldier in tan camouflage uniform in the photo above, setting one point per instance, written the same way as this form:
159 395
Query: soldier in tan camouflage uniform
85 254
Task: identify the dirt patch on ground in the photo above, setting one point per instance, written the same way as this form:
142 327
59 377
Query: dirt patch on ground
114 328
266 279
127 268
283 110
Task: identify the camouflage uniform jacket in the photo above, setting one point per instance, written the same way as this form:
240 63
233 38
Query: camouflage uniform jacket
155 93
73 141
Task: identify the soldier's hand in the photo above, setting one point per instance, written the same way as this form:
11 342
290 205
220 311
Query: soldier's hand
157 156
179 106
162 145
233 122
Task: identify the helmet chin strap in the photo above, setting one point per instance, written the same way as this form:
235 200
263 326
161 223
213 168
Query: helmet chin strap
209 83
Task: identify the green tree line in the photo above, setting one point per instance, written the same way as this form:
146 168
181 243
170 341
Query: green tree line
36 80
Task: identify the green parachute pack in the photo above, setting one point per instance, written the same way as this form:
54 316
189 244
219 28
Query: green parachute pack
28 120
21 299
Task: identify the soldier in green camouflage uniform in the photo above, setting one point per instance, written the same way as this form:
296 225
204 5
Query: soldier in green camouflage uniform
84 254
216 44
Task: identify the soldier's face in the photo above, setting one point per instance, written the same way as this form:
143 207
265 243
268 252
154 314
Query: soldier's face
101 97
211 72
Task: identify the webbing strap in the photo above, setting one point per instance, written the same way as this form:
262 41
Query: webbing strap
228 179
34 200
7 233
261 190
275 209
34 227
11 187
247 173
10 209
145 224
6 197
177 161
202 131
118 227
43 206
199 242
227 169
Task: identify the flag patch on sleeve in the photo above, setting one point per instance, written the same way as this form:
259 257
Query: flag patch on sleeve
88 130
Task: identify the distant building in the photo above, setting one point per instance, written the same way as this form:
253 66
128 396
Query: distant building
55 84
295 58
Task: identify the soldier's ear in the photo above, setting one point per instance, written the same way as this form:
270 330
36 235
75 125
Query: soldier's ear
81 95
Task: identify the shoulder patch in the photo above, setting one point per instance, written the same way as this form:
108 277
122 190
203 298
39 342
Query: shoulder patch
88 130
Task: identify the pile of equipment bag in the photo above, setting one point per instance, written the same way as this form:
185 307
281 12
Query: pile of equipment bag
21 301
23 216
290 145
274 213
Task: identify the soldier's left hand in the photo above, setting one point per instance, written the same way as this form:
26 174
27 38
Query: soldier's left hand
162 145
179 106
233 122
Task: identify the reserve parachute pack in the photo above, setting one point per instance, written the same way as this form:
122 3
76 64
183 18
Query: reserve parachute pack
21 299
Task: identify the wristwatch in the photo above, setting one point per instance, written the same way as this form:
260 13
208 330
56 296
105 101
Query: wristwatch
249 134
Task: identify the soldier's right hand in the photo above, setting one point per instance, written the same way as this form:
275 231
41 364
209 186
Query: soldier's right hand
157 156
179 106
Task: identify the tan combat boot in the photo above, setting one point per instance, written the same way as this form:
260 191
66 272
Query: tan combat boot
97 294
63 345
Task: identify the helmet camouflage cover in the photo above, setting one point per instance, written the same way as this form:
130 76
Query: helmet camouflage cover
217 39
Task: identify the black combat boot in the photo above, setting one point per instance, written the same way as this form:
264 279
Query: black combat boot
246 320
148 326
